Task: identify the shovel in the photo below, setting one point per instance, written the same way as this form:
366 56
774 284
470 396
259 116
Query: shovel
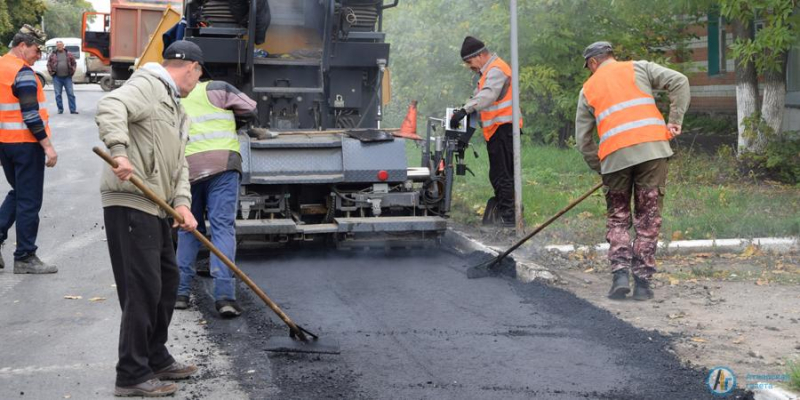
300 340
485 268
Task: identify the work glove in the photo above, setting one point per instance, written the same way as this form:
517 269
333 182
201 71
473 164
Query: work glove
458 115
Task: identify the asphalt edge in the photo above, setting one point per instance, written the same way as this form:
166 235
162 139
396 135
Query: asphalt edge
461 244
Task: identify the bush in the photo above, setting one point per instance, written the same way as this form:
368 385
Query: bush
706 124
780 159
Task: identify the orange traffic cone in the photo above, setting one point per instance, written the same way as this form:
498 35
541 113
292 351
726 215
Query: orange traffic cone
409 128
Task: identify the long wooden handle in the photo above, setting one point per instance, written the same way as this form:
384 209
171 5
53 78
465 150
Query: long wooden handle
549 221
246 279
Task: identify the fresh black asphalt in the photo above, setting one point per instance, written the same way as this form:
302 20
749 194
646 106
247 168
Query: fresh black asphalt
412 326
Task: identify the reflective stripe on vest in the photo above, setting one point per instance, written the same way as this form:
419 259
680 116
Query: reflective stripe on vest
501 111
212 128
227 115
16 106
12 125
625 115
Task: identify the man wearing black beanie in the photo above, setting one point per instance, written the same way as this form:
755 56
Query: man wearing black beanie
492 99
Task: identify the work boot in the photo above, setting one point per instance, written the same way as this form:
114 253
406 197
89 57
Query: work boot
181 302
151 388
641 289
176 371
620 285
33 265
228 308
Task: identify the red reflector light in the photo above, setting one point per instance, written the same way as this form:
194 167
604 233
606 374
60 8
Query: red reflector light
383 176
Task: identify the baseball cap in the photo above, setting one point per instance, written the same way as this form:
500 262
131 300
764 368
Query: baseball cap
184 50
38 36
595 49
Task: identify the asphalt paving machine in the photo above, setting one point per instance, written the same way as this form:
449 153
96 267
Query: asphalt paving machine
330 170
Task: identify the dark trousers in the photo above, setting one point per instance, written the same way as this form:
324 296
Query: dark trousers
501 169
146 274
23 166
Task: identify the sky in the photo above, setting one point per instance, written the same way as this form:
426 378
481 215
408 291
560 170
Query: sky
101 5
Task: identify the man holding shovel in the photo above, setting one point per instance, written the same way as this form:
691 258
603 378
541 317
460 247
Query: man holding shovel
145 129
631 155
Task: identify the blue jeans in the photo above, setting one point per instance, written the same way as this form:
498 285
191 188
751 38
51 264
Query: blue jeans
217 198
66 83
23 165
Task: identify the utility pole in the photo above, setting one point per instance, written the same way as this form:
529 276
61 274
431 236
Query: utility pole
515 124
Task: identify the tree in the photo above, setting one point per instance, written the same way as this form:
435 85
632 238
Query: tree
762 53
18 12
63 17
553 33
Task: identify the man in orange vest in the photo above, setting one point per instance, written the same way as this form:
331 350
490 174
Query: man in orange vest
630 150
25 148
492 99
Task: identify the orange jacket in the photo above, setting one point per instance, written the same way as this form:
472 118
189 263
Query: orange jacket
12 127
501 111
625 115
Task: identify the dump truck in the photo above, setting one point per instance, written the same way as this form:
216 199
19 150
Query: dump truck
119 37
332 172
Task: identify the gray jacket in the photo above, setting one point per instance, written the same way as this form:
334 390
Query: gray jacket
145 122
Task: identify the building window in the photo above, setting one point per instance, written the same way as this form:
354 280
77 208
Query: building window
793 70
717 45
793 77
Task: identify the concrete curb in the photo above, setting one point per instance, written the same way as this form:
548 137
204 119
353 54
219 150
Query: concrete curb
776 245
461 244
774 394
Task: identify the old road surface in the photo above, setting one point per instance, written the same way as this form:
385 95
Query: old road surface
410 325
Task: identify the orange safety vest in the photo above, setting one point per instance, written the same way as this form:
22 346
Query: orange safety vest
501 111
12 127
625 115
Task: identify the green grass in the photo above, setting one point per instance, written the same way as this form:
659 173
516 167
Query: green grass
793 370
706 198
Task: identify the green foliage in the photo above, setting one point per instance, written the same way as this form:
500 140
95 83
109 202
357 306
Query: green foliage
5 20
793 370
780 159
779 34
18 12
552 35
63 17
706 197
706 124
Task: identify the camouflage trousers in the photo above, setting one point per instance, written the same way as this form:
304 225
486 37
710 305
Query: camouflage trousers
645 183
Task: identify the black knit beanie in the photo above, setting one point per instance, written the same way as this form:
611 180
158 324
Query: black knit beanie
471 48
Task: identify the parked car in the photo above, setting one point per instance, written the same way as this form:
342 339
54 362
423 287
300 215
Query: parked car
88 69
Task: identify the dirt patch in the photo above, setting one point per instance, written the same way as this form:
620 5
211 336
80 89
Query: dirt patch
738 310
734 310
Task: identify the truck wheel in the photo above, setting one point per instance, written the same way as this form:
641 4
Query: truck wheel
41 80
108 84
